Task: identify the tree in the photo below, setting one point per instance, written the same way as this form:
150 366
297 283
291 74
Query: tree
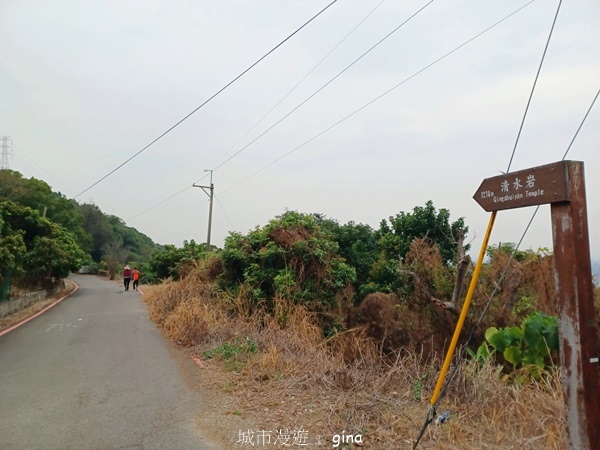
93 229
357 245
38 195
33 248
170 260
96 225
508 248
139 245
114 255
395 237
291 257
12 251
424 222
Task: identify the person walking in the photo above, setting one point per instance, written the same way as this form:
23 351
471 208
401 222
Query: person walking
126 277
135 276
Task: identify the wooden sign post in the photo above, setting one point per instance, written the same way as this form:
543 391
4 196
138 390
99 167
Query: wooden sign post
562 185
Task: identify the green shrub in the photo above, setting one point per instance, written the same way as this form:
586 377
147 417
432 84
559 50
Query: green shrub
291 257
234 354
528 348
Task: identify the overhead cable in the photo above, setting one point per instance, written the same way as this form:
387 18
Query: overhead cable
461 354
161 202
301 81
446 383
580 125
224 213
323 87
208 100
199 177
379 96
533 87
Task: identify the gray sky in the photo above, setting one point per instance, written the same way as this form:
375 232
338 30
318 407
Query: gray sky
87 84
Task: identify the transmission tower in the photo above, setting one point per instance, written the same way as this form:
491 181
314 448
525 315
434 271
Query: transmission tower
6 152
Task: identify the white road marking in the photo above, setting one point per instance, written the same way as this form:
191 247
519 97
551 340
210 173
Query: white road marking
60 326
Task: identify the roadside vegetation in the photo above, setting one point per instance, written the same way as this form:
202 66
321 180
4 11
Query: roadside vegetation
33 250
341 328
44 236
327 327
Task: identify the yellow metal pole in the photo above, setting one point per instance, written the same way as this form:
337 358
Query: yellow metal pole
463 313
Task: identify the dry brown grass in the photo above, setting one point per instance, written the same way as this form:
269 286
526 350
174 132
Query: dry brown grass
527 286
344 384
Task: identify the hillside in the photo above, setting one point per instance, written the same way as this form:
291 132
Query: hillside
45 235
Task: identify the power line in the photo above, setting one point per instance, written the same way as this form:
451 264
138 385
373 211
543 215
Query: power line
504 271
208 100
379 96
502 275
462 352
199 177
179 213
150 205
508 169
533 87
301 81
433 409
224 213
322 87
580 125
36 168
160 203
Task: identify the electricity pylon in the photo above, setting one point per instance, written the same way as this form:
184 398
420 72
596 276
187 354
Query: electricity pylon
6 152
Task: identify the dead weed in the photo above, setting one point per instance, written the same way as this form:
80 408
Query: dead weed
344 384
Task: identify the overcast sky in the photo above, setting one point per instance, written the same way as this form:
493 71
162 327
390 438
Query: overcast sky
87 84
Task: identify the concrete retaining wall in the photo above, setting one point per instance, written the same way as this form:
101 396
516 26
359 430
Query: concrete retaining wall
17 304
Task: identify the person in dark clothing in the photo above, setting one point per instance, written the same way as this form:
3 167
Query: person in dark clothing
126 277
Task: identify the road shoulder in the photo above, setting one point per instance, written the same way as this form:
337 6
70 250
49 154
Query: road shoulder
14 321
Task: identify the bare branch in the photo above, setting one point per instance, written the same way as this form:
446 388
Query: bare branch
425 294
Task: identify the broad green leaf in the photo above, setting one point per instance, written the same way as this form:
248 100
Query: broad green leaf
483 352
533 358
515 333
490 332
505 337
513 355
499 341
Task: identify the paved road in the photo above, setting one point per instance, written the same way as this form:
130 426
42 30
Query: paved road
94 373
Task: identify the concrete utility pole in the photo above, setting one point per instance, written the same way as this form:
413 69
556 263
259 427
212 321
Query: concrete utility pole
6 152
210 193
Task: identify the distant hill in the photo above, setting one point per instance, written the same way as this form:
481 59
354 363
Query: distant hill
99 235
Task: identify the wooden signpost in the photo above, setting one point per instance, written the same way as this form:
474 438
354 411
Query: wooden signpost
562 184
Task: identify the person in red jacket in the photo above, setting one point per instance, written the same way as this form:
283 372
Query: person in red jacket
135 276
126 277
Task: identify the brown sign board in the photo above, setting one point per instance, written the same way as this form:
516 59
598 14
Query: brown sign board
529 187
562 184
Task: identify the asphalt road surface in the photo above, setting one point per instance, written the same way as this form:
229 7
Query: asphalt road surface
94 373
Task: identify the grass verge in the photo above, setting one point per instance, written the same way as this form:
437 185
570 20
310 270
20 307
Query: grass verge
282 373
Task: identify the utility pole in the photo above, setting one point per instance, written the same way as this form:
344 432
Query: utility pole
210 193
6 152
